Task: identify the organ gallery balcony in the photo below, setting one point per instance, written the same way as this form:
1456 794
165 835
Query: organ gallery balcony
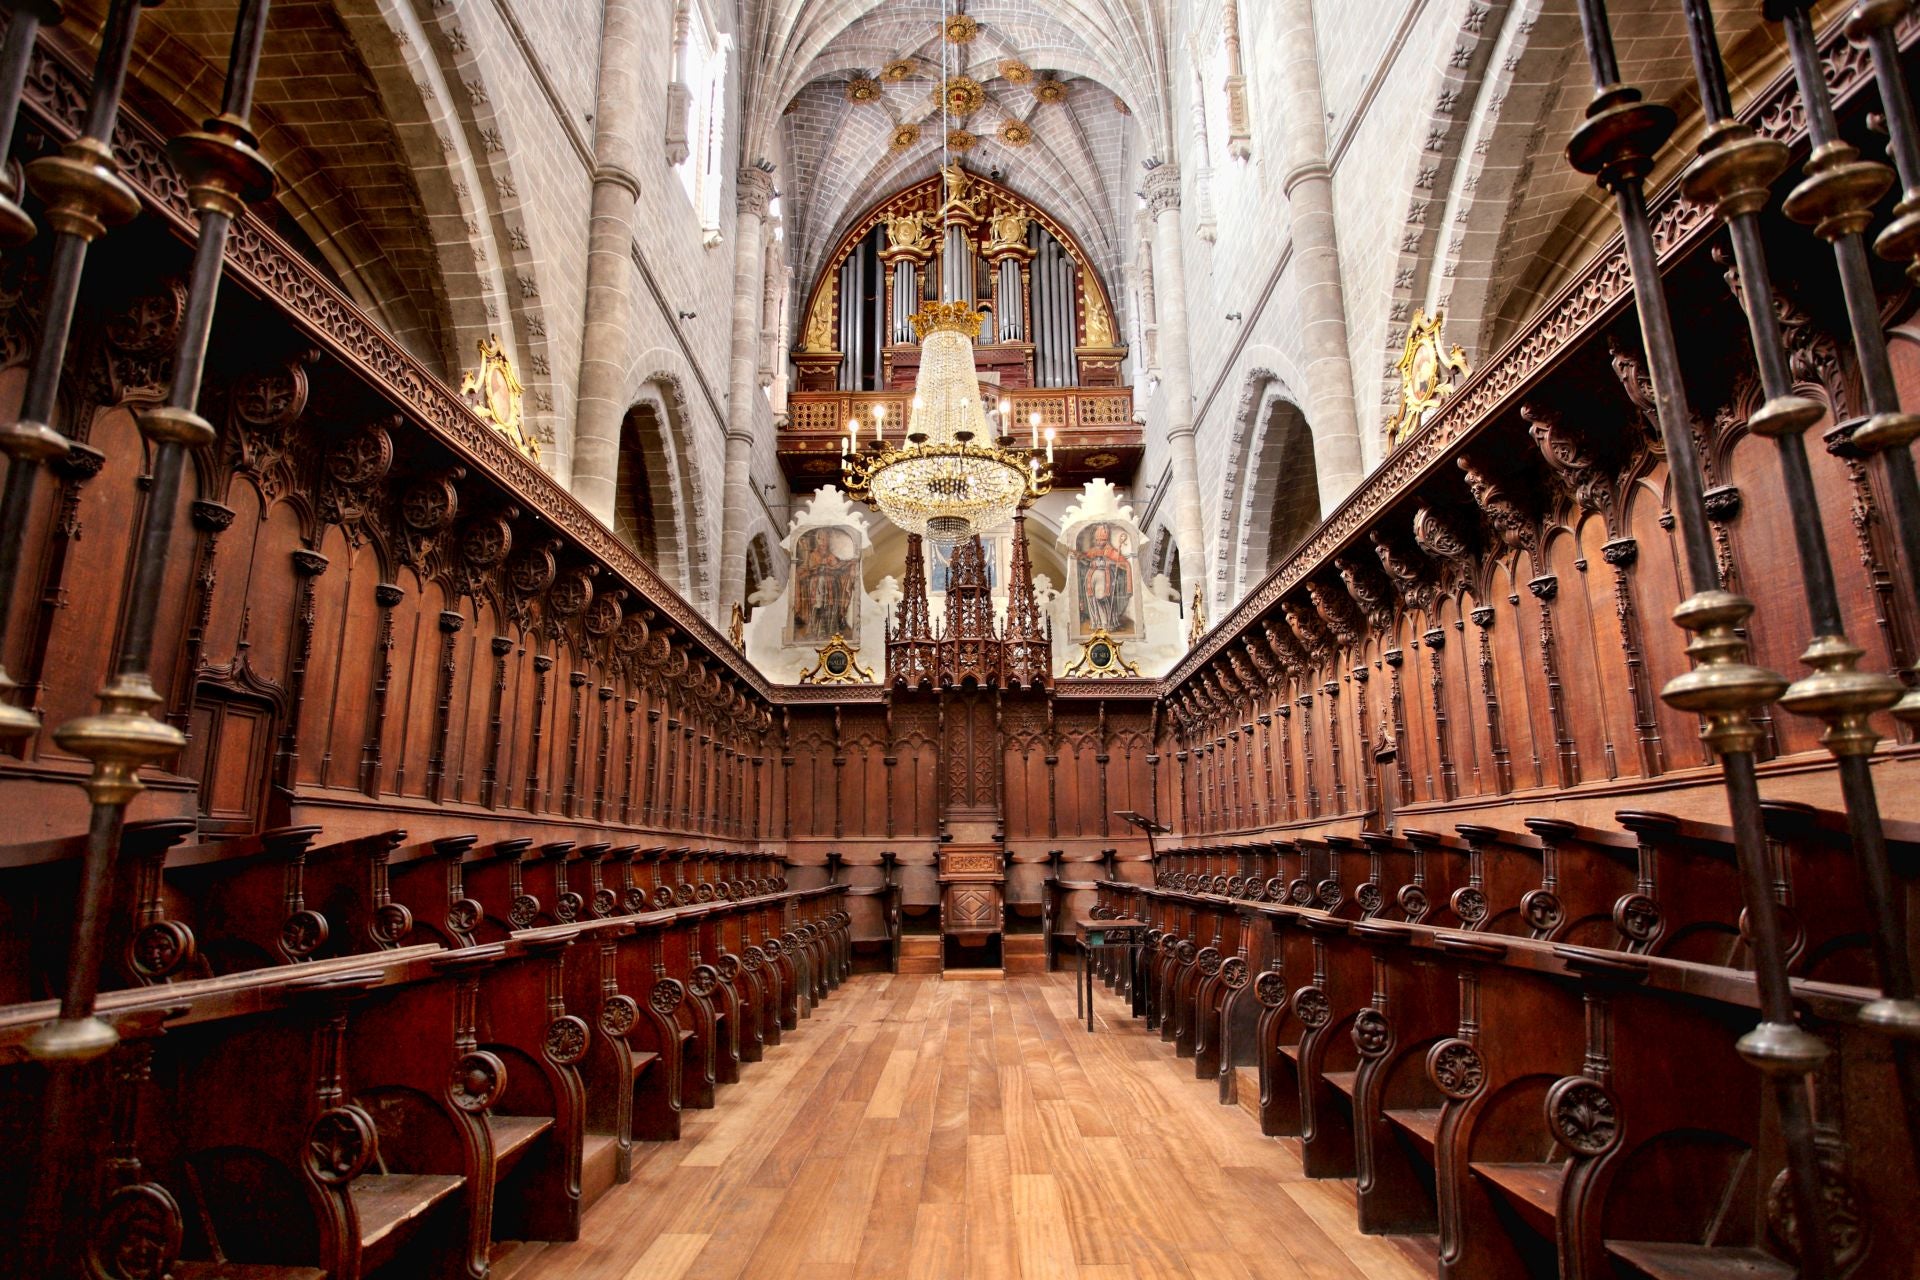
1095 431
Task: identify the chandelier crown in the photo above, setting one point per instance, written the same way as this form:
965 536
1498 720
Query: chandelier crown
948 317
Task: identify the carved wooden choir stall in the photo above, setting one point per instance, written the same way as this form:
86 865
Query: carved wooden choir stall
389 851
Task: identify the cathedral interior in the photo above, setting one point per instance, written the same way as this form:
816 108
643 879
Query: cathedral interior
973 639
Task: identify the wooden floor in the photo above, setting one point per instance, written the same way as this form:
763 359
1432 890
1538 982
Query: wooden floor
920 1128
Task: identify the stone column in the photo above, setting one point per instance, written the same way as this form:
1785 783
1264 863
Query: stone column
602 399
1162 195
754 190
1308 184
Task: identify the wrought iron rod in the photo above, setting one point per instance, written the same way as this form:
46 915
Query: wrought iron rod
224 172
1617 144
1735 172
1836 199
24 21
84 196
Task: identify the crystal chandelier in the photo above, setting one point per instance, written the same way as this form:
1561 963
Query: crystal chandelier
952 478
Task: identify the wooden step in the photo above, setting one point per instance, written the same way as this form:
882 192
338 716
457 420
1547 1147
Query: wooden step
512 1136
1663 1260
1532 1189
920 964
599 1166
973 975
390 1205
1024 953
243 1271
1421 1124
919 944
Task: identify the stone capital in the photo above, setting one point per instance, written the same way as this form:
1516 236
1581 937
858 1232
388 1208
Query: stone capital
754 191
1161 189
616 176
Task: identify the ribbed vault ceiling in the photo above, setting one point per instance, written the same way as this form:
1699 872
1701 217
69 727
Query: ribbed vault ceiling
1082 160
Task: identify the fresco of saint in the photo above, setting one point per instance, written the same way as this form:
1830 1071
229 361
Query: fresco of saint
826 587
1105 596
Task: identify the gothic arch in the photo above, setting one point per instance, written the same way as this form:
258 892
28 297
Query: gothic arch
657 487
1272 498
438 87
760 566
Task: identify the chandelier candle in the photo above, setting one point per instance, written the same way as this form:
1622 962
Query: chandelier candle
952 479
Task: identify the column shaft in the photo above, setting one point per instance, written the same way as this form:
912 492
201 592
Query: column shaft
1176 368
755 189
593 460
1316 254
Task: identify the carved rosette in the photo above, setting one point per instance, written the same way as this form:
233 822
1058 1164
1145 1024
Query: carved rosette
463 915
476 1081
1276 890
1370 897
1311 1006
1185 951
1300 892
1233 973
1208 961
341 1142
1372 1033
1470 905
524 911
1847 1225
302 933
566 1041
1456 1069
667 996
1270 989
729 967
753 959
618 1014
1583 1115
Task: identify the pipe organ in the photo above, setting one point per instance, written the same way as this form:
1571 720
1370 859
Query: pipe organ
1050 316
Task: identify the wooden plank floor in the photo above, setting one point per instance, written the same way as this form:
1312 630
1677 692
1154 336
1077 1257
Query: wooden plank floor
927 1129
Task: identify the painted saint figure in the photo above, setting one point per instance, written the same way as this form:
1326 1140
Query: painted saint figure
826 587
1106 579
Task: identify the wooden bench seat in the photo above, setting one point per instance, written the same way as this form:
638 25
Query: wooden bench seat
1420 1124
1661 1260
1531 1188
391 1206
513 1135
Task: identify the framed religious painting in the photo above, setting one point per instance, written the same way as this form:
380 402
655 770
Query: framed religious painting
1106 581
826 587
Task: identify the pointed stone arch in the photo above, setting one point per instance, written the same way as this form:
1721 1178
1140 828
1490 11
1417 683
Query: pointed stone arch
1272 498
657 487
